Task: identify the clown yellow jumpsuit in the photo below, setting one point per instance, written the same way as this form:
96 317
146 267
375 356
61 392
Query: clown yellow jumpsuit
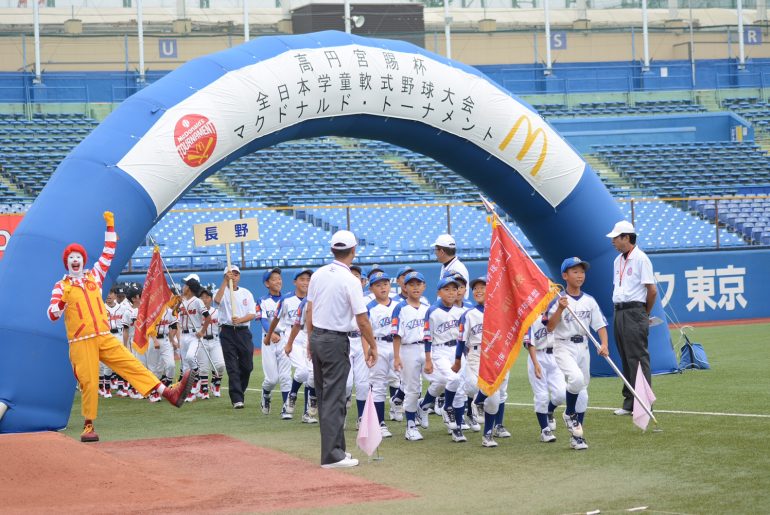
88 330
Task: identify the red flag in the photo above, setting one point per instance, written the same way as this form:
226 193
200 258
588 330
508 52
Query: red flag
156 298
517 293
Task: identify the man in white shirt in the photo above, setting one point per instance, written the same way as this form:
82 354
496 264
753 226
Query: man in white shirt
445 249
334 302
237 310
633 295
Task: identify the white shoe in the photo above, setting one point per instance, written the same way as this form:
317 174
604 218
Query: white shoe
285 415
392 412
458 436
190 397
385 431
155 397
217 391
237 405
398 408
196 388
421 417
578 443
551 422
265 404
546 435
312 406
307 419
474 423
204 396
477 411
290 403
343 463
465 426
438 409
622 412
107 394
488 441
573 426
501 432
449 418
413 434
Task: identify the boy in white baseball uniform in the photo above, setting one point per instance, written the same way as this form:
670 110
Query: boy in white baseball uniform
359 372
408 323
295 349
380 315
571 341
134 297
195 319
209 356
160 351
297 354
275 364
115 318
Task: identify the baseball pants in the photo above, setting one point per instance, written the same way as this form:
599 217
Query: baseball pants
238 351
331 365
632 327
379 376
359 372
443 357
575 362
303 367
197 357
412 361
276 366
85 356
468 380
186 340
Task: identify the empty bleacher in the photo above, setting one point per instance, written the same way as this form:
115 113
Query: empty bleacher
753 109
748 217
648 107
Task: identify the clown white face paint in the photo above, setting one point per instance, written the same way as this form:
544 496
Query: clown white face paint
75 264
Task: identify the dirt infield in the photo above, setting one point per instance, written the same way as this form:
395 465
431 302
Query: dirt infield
51 473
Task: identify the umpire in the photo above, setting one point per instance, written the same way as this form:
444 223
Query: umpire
336 307
633 295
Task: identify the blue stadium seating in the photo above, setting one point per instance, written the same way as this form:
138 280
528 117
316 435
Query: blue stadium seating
619 108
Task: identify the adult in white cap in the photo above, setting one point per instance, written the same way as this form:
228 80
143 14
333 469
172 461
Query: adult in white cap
634 296
445 249
234 334
335 308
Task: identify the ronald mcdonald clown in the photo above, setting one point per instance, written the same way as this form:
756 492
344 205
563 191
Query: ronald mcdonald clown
78 297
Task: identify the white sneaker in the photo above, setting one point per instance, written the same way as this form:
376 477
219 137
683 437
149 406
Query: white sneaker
501 432
196 388
398 408
107 394
190 397
421 417
449 418
488 441
392 412
474 423
578 443
413 434
551 422
546 435
438 409
458 436
307 419
465 426
343 463
622 412
217 391
204 396
573 426
265 404
477 411
312 406
285 415
238 405
385 431
290 403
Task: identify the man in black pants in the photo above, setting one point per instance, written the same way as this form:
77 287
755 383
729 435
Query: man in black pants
336 307
236 311
633 295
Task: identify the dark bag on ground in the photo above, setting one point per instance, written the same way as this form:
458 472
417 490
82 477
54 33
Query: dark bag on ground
692 355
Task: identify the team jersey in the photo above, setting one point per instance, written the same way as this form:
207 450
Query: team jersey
381 316
537 335
191 314
129 319
299 320
471 329
587 310
286 311
168 321
408 322
442 325
401 297
266 309
212 331
115 317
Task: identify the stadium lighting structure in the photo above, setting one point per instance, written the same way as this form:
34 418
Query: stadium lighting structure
36 23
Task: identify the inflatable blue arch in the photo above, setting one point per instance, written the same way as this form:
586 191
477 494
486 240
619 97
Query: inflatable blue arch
173 134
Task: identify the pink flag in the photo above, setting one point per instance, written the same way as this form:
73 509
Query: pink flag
643 390
369 435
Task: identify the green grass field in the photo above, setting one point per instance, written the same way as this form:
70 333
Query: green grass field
698 464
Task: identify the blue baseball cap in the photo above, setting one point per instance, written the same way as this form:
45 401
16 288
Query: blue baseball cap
482 279
414 276
357 268
268 273
446 282
404 270
303 271
456 276
573 262
373 269
377 277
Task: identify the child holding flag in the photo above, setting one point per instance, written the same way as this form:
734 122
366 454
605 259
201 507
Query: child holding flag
571 341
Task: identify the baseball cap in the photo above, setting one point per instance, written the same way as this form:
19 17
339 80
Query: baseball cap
377 277
456 276
191 276
133 292
572 262
234 268
342 240
621 227
445 240
482 279
194 285
373 270
446 282
404 270
268 273
414 276
303 271
358 268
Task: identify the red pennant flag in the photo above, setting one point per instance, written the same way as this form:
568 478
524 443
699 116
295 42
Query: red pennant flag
517 293
156 298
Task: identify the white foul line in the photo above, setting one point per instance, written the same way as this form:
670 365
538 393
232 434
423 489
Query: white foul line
674 412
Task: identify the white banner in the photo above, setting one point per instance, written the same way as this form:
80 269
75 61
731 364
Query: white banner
300 85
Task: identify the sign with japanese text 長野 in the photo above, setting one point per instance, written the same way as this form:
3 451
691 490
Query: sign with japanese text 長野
227 231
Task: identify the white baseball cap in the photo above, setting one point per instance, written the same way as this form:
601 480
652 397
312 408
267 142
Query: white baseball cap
445 240
621 227
342 240
191 276
233 268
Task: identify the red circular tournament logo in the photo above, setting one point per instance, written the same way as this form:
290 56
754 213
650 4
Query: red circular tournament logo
195 138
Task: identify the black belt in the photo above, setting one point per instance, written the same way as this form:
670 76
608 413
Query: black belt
236 327
450 343
114 331
160 337
324 331
413 343
620 306
388 338
475 347
186 331
547 350
208 337
354 334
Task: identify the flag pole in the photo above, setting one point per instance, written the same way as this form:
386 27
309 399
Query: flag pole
490 208
165 268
